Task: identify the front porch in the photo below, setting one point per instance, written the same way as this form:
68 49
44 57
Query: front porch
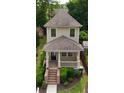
62 59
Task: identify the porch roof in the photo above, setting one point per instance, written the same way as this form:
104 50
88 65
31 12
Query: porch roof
63 43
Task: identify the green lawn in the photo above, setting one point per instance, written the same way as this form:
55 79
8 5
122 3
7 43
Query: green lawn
77 88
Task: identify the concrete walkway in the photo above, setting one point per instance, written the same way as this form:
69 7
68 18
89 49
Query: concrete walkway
37 90
51 89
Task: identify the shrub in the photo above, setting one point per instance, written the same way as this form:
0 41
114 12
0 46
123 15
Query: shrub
77 73
44 85
83 36
37 40
63 75
40 70
70 72
42 57
39 75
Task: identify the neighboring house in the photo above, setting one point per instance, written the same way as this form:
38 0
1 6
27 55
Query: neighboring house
62 47
85 44
39 31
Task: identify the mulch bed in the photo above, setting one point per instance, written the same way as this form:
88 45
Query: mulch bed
42 90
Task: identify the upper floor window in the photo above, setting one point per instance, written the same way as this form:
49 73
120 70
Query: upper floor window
53 32
72 32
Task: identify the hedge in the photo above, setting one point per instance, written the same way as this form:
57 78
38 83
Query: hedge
39 75
40 70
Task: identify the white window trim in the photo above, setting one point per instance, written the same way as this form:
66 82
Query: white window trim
51 32
74 32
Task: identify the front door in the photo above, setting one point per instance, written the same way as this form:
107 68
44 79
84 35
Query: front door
53 56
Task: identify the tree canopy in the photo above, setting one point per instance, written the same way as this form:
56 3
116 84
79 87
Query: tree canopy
79 10
45 10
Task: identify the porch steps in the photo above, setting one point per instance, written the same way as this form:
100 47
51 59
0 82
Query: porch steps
52 76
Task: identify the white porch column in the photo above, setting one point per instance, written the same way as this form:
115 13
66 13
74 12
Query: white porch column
47 59
59 64
78 59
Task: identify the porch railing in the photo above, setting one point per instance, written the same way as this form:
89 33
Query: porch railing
69 64
58 76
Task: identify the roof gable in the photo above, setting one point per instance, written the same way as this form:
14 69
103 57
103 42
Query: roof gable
62 19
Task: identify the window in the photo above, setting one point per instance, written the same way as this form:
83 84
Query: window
70 54
72 32
63 53
53 32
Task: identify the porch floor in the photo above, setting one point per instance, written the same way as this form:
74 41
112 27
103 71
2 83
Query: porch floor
53 64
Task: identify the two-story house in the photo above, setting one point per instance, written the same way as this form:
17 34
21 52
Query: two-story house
62 48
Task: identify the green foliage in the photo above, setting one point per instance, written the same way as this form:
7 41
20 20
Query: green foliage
42 58
51 8
77 88
44 10
70 73
83 36
41 12
37 40
39 75
77 73
79 10
40 70
63 75
86 55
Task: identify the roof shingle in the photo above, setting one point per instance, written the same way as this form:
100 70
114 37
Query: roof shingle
63 44
62 19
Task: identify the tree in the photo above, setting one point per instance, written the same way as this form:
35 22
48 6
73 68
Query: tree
79 10
45 10
41 12
51 8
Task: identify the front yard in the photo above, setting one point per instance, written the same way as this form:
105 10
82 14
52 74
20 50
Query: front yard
77 88
66 76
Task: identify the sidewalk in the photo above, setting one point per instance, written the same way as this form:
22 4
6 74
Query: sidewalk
51 89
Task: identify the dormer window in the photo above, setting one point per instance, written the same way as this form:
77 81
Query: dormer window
72 32
53 32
